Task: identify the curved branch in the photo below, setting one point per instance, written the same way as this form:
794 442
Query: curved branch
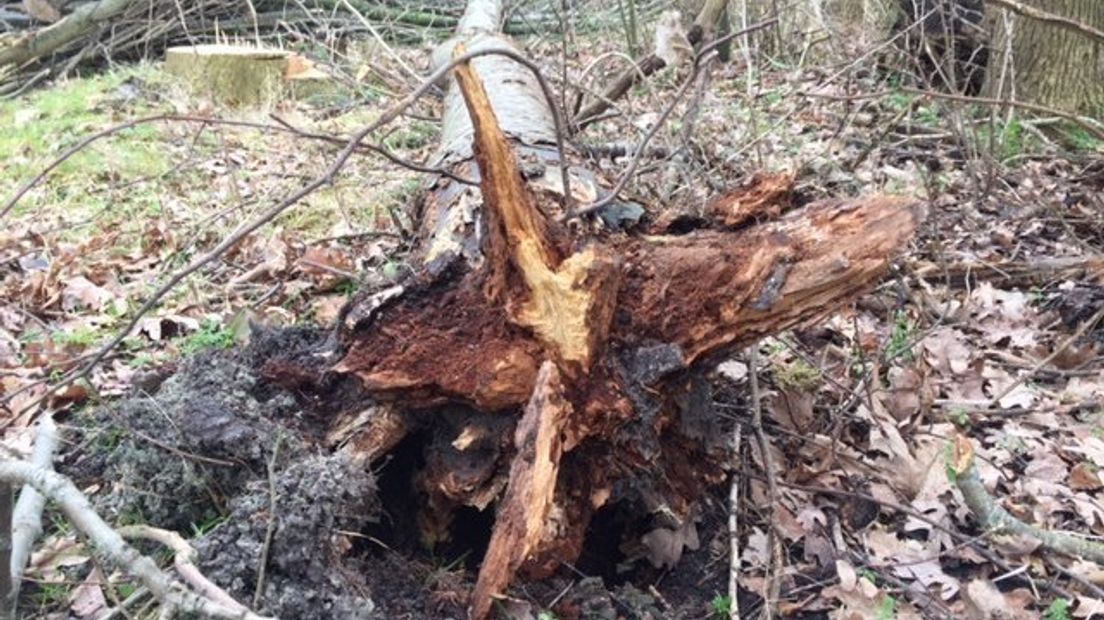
1050 18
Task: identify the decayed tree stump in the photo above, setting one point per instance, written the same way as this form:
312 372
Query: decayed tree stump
580 349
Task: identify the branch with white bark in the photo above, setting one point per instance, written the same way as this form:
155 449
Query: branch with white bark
26 522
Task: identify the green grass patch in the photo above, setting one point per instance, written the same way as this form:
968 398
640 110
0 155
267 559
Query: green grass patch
43 124
211 335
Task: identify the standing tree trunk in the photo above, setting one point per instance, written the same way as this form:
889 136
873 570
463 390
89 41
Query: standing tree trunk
1038 62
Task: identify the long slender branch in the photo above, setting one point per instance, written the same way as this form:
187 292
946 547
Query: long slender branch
7 587
283 126
184 563
734 529
1086 326
78 510
1050 18
1085 123
647 66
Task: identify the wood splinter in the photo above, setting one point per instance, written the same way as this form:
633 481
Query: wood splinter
528 500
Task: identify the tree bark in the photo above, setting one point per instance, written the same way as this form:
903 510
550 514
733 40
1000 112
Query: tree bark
1047 64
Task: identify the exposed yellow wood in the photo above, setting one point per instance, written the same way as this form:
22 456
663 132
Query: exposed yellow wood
565 301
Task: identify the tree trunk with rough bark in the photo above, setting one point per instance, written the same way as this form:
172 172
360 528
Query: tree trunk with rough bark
1042 63
555 368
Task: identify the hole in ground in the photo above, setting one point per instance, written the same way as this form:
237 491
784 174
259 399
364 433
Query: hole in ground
602 555
398 526
469 530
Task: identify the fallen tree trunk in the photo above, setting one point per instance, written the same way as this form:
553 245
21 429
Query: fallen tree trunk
578 355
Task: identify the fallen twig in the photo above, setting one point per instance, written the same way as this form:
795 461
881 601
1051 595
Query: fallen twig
183 561
7 587
992 516
262 563
1090 125
771 584
1011 273
734 529
27 518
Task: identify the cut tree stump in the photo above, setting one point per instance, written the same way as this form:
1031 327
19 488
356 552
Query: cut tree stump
244 75
579 354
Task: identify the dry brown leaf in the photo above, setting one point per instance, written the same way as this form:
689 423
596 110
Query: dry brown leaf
41 10
327 308
9 350
327 266
87 600
1090 571
166 326
756 551
847 575
793 409
945 350
865 603
985 602
1046 466
665 545
908 394
80 292
1084 477
733 370
1088 607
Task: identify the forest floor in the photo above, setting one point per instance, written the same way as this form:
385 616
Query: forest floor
969 334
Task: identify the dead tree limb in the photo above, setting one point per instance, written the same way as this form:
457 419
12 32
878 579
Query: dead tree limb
652 63
25 47
993 517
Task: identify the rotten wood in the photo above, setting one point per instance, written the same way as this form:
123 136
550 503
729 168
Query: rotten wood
701 294
764 196
587 347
